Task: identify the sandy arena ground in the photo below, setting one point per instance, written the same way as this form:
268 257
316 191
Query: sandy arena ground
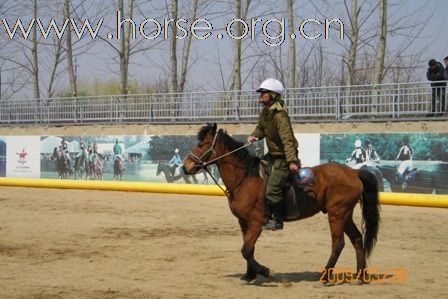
95 244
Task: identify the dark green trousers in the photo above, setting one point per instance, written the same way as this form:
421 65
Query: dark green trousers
279 182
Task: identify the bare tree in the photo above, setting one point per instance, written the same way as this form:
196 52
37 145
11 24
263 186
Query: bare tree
186 50
381 47
56 61
292 46
125 45
173 47
69 48
34 55
236 71
351 59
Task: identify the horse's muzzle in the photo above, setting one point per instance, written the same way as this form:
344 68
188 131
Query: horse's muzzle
189 169
185 170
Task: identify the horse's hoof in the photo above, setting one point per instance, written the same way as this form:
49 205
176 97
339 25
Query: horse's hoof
271 273
245 280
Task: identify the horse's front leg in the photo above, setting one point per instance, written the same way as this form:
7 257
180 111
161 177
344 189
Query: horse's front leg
251 232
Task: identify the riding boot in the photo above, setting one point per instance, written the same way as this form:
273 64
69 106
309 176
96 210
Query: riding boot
276 223
267 212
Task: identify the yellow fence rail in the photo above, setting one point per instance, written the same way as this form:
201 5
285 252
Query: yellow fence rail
405 199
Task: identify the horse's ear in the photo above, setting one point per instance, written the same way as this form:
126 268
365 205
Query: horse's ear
214 128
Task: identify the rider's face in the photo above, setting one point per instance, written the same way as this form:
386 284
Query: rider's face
264 98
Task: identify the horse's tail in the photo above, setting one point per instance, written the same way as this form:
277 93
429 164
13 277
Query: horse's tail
370 209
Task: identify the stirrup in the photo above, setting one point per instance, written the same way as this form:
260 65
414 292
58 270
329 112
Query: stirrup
273 225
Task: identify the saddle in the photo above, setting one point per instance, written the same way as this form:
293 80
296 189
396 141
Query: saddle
298 196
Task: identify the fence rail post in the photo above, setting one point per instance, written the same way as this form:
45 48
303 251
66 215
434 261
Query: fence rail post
311 103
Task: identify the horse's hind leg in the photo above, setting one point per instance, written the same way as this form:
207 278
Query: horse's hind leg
251 232
337 243
356 238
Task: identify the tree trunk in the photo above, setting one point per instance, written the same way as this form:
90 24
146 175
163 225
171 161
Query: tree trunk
236 72
351 64
35 63
128 41
381 48
186 51
57 60
350 80
292 47
123 74
173 47
319 65
125 46
70 67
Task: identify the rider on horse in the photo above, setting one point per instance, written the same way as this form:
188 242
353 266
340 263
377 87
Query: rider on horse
358 154
118 151
82 149
64 151
92 151
405 156
275 126
175 161
95 150
371 153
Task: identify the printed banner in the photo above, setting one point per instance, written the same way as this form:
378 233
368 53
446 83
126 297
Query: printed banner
156 158
22 156
401 162
309 149
2 156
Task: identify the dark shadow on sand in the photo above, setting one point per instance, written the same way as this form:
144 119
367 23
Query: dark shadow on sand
287 277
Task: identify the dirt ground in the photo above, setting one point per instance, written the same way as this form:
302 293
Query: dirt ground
96 244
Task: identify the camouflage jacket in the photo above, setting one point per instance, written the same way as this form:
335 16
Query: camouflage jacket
274 125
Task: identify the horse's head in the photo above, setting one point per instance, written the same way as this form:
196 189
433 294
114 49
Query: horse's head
205 151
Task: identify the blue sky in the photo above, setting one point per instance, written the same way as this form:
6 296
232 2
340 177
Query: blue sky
433 41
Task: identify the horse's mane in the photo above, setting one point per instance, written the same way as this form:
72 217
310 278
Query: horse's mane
250 162
203 131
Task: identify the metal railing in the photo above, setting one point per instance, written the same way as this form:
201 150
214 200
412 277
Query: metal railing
399 101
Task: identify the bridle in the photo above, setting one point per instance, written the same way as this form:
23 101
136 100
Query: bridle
200 161
203 164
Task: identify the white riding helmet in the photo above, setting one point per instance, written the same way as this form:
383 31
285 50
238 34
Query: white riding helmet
273 85
358 143
176 151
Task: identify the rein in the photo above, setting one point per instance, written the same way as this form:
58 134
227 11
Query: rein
203 164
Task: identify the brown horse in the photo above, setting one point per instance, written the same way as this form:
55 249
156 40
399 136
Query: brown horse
96 167
62 163
336 190
81 166
118 169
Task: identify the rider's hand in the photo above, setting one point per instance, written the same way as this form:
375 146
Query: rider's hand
251 139
294 167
